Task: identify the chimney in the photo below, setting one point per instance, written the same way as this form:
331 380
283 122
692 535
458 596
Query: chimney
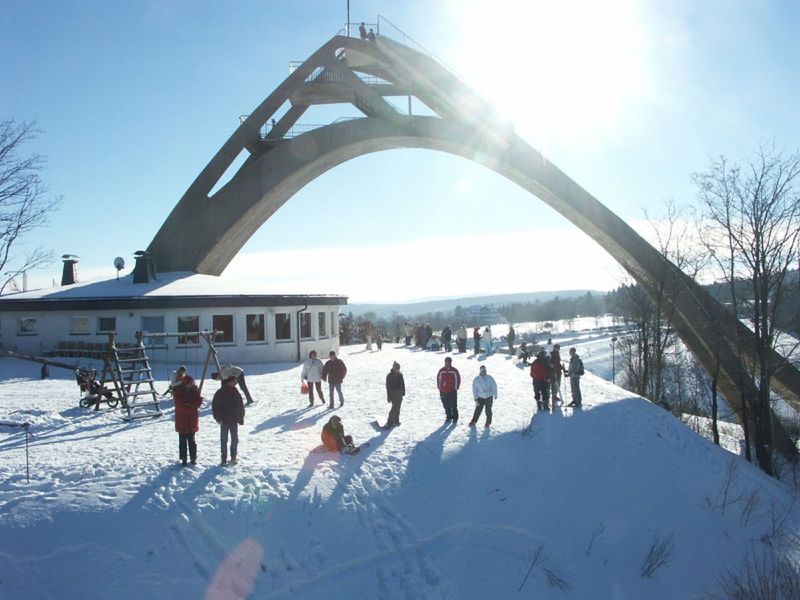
69 274
145 269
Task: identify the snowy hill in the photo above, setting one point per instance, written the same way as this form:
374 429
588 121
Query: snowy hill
561 505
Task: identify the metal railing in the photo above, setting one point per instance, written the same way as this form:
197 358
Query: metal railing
294 131
351 29
388 29
319 74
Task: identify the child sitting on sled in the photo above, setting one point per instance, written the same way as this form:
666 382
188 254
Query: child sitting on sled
335 440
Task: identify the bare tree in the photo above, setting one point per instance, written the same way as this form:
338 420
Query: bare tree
24 201
751 227
645 349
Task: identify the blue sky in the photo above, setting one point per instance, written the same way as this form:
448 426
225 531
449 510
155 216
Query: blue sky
628 98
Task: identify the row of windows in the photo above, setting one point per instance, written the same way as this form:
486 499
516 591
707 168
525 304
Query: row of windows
255 326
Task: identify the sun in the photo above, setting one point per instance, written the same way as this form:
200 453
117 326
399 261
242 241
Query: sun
566 68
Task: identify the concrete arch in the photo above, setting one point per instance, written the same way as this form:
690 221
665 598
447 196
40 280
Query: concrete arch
203 233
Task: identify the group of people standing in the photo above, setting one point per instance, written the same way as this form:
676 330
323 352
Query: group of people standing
227 408
448 382
314 373
546 372
421 334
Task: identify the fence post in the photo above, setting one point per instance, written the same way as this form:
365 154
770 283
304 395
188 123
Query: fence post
26 427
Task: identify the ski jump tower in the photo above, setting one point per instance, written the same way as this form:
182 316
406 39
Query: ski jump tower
205 231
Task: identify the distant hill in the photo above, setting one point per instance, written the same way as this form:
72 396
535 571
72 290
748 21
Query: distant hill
449 304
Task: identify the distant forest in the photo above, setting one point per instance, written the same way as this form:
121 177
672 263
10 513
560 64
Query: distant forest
553 309
588 305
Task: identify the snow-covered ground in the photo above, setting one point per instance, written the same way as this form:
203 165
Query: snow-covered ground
561 505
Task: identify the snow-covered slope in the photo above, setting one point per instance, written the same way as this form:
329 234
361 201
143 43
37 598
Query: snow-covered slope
563 505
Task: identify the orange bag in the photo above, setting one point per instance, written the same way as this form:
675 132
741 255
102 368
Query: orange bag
304 388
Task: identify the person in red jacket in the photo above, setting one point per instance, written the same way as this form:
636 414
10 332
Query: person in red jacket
540 373
448 381
187 402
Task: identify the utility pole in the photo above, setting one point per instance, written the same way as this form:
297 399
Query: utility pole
613 357
348 18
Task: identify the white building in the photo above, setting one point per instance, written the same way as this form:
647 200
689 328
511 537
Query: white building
74 320
482 314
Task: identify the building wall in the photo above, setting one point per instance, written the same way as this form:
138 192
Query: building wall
40 332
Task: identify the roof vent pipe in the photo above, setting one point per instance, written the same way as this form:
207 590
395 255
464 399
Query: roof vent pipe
69 273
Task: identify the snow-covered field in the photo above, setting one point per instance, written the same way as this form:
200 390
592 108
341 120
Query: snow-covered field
561 505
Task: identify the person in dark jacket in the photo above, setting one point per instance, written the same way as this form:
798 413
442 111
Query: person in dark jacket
574 372
523 354
512 335
333 437
476 337
448 380
187 402
540 373
228 410
447 336
333 372
395 390
427 334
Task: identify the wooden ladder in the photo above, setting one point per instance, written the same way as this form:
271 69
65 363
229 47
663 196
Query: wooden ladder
129 371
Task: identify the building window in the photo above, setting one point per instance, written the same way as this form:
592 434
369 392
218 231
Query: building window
28 326
152 325
283 326
305 325
106 324
323 325
255 328
188 324
334 324
79 326
223 323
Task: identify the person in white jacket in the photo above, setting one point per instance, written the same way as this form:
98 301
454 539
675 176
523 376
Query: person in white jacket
461 339
229 370
312 373
484 390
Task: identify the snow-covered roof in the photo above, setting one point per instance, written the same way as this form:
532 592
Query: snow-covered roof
180 286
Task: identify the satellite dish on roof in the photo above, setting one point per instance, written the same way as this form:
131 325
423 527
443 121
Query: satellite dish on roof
119 264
